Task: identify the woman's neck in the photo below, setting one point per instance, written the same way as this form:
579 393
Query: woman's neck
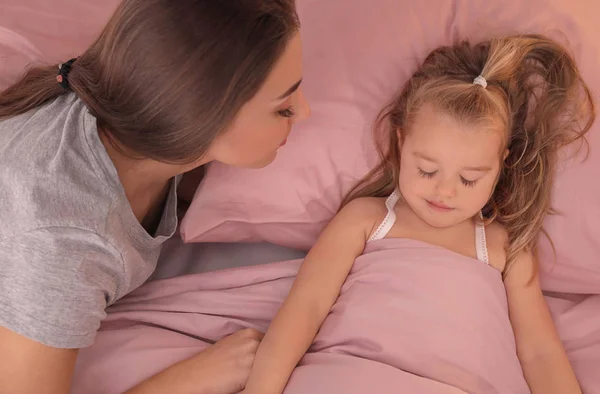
146 182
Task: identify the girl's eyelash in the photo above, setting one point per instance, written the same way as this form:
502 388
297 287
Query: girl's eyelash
287 112
467 183
427 175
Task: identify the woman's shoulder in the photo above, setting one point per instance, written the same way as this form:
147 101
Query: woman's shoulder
44 199
53 249
58 283
46 134
49 173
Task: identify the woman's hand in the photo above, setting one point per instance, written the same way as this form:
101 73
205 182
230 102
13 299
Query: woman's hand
227 364
221 369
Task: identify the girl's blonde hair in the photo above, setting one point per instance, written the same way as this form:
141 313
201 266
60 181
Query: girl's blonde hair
534 94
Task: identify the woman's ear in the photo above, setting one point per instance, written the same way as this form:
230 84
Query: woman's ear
506 153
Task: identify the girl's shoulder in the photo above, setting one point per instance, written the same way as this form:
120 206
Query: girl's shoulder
497 242
366 211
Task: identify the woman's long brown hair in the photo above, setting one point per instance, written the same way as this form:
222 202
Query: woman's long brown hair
165 77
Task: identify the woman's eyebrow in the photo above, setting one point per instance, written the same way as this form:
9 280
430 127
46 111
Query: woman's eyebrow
289 91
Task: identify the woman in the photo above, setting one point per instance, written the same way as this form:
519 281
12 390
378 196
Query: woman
91 156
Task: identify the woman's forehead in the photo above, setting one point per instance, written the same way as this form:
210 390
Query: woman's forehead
286 72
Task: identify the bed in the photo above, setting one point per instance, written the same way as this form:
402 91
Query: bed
247 231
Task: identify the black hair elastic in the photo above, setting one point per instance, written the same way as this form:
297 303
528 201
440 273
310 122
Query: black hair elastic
63 73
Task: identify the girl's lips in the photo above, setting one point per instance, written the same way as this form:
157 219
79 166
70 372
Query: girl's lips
439 207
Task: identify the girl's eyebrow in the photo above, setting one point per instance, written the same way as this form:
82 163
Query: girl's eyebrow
470 168
424 157
478 168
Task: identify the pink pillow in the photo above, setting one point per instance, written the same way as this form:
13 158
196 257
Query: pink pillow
42 31
357 54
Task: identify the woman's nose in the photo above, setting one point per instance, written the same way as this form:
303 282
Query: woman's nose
302 107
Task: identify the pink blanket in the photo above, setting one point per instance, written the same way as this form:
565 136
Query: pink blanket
411 318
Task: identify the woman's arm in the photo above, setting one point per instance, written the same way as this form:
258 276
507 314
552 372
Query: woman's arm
540 350
28 367
315 290
35 328
222 368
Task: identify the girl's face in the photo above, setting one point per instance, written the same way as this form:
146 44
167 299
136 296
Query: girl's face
448 170
263 124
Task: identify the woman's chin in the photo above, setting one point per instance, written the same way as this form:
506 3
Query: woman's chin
263 162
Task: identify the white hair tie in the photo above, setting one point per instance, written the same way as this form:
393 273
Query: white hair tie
480 81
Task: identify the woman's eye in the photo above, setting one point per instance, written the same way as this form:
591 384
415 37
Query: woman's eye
287 113
425 174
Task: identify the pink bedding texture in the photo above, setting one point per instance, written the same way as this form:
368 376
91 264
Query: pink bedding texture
357 54
411 318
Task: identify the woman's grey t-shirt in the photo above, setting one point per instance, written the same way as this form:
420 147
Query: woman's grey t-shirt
70 244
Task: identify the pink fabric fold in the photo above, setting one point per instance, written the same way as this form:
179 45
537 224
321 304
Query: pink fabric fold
411 317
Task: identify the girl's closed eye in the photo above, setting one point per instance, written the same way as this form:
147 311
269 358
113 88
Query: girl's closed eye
287 112
467 182
427 175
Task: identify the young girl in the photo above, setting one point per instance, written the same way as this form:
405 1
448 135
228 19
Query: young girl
91 155
471 150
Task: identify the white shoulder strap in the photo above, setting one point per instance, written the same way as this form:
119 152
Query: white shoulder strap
481 242
389 220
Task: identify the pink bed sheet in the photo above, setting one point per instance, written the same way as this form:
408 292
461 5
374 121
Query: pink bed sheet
411 318
166 321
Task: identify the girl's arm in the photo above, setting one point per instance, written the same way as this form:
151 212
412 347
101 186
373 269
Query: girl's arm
540 350
314 292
